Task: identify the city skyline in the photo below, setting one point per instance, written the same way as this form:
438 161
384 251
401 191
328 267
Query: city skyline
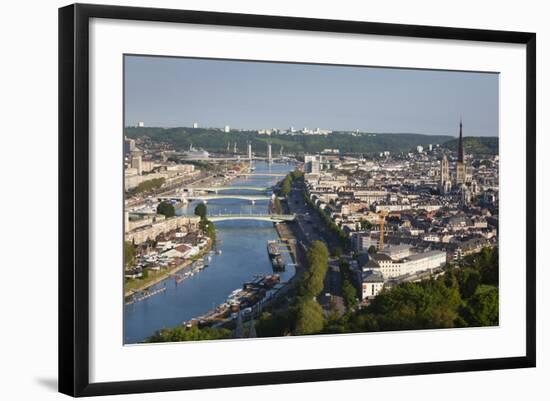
177 92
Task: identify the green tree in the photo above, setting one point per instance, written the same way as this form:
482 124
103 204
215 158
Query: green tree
372 249
166 209
286 187
296 175
200 210
209 228
146 186
350 294
314 278
410 306
188 334
273 324
277 207
129 254
482 307
309 317
366 225
488 265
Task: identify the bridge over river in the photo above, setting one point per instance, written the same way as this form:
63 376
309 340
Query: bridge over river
274 218
230 187
206 198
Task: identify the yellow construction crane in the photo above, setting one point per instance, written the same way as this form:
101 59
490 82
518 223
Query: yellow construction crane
381 222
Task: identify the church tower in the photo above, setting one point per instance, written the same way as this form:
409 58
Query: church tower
460 166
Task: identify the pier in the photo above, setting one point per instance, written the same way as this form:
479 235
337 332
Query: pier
144 295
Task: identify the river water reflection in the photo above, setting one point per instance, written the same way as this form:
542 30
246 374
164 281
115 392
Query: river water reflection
243 255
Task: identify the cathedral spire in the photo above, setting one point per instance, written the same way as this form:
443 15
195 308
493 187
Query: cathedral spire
460 145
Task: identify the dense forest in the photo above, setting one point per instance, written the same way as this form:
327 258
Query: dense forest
476 145
464 296
216 140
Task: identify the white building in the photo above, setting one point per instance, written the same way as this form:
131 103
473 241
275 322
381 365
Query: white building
422 261
411 264
226 128
195 125
397 252
141 124
372 284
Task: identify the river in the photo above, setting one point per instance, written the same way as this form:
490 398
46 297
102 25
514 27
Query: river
243 255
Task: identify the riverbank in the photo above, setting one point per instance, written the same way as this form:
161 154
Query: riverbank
159 276
243 260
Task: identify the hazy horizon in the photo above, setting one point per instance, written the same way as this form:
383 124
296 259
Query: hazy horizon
233 129
170 92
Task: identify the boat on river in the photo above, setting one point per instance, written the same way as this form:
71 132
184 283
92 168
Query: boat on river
278 263
272 249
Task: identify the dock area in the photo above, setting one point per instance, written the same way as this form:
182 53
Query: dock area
247 300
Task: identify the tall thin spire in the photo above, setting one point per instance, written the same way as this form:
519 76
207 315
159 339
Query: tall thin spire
460 145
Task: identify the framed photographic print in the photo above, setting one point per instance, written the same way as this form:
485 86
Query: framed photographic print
250 199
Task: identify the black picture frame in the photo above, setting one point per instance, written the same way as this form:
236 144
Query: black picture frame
74 198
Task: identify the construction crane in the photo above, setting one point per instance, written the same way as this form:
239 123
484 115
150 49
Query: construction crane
382 223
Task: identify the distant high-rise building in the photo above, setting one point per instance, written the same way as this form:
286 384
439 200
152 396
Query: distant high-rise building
136 162
226 128
195 125
141 124
312 164
250 151
460 166
269 156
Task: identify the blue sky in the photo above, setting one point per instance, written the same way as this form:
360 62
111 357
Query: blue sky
170 92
